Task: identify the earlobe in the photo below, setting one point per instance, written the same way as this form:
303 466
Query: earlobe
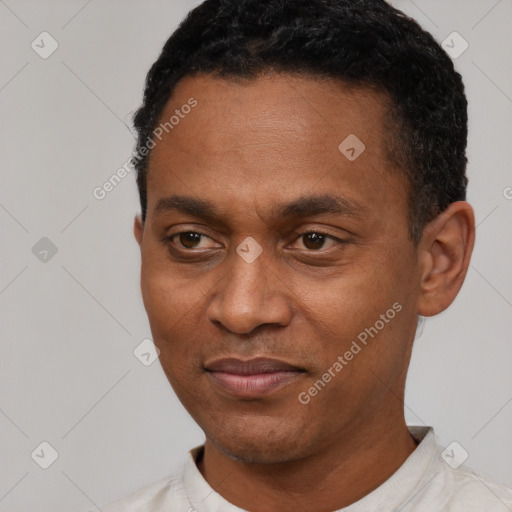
138 229
445 252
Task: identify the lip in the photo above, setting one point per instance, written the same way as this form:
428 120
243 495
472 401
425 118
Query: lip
252 378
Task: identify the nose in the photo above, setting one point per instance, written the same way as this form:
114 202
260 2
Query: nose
249 295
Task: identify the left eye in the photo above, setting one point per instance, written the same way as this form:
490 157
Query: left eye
315 240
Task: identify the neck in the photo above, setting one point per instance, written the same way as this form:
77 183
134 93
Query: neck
354 464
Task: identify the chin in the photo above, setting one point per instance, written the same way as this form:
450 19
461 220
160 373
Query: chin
257 444
250 453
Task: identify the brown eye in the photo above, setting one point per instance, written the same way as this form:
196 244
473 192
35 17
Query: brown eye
314 240
188 239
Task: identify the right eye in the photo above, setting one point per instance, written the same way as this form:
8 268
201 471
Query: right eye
187 240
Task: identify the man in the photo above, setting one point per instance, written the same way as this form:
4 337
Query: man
301 169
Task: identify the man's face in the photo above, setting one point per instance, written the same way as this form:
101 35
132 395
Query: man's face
249 150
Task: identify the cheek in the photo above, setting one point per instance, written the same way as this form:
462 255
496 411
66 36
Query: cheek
350 299
167 296
361 312
170 306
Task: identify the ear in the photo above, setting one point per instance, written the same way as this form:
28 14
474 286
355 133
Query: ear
138 229
444 254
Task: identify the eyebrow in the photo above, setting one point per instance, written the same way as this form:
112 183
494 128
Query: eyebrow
304 206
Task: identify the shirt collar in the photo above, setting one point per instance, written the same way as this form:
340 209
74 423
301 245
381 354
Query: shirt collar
414 474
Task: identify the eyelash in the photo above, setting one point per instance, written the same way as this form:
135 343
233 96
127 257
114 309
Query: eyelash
169 239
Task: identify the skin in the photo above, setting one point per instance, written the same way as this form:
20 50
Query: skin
246 147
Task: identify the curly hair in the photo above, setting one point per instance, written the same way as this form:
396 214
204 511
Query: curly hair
365 43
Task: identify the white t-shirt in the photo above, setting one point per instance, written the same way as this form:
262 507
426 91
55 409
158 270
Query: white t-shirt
425 482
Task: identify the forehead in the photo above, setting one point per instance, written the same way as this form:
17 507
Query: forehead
275 110
271 137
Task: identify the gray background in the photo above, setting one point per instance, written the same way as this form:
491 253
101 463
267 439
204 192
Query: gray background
70 324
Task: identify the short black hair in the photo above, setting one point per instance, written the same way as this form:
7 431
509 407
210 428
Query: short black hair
366 43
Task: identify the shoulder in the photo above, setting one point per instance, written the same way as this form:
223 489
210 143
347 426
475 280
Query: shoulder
464 490
442 483
155 497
